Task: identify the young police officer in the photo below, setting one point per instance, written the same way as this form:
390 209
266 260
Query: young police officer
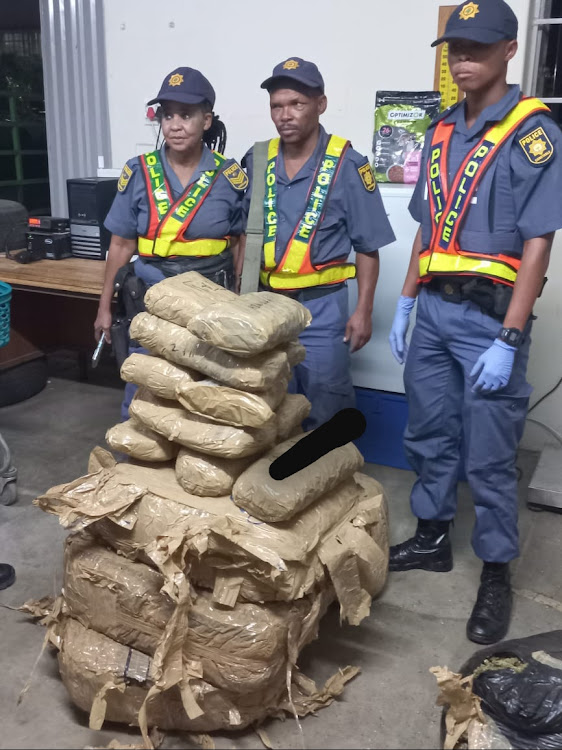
489 202
321 201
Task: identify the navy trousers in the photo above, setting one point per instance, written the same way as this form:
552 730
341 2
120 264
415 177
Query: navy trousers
324 376
443 410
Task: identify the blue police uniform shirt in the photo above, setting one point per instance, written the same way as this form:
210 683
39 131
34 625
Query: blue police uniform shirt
354 216
219 215
516 199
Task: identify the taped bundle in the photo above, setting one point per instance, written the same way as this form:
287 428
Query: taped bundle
251 324
178 345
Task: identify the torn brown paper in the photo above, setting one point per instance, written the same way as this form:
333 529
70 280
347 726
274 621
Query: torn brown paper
463 710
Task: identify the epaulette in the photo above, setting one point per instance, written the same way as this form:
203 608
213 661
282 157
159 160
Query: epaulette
444 114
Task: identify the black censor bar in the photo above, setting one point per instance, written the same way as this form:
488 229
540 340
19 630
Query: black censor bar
342 428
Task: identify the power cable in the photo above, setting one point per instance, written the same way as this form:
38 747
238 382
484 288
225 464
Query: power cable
546 395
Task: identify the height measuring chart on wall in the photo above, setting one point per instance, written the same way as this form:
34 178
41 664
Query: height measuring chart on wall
443 82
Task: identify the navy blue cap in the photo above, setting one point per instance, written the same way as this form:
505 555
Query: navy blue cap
187 86
296 69
484 21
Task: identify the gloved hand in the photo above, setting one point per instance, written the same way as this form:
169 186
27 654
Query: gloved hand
493 368
399 328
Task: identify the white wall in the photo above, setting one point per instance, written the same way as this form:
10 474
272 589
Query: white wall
545 365
359 45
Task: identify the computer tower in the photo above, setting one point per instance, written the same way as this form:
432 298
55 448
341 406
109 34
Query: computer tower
89 200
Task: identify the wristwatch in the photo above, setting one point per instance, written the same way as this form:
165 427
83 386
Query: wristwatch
511 336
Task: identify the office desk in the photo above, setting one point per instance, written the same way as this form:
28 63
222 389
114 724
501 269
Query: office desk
54 305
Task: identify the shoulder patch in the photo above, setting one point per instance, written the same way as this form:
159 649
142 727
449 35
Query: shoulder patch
537 147
236 176
124 178
367 177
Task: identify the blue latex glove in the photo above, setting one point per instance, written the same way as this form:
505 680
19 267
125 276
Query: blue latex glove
399 329
493 368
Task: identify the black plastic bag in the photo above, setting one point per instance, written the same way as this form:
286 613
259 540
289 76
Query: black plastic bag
525 703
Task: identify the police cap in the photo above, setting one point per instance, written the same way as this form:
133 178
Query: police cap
298 70
484 21
187 86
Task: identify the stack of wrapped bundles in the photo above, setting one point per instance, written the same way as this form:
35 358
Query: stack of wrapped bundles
213 390
192 578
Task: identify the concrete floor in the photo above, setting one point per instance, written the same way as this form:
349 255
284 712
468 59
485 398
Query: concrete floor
418 622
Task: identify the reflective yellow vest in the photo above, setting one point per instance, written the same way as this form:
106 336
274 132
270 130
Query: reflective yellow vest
296 270
167 221
449 207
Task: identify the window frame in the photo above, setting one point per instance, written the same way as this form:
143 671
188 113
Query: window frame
537 21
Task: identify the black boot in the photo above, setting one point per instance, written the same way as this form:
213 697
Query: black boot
429 549
489 621
7 576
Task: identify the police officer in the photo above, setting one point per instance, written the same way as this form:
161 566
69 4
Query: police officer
178 208
488 201
321 201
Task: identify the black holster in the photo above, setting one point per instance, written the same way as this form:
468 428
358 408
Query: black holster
492 298
130 301
120 340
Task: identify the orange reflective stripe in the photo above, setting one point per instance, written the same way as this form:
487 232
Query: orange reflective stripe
296 258
297 255
474 167
157 188
447 221
168 221
437 174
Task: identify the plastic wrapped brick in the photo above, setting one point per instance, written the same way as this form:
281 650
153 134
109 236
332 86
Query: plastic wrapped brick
138 441
294 409
243 649
178 298
93 665
208 476
159 376
275 500
178 345
252 323
140 511
226 405
197 433
376 501
352 556
296 353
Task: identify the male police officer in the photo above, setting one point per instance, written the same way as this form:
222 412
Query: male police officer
321 200
489 203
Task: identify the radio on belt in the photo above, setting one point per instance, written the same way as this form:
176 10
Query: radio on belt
48 237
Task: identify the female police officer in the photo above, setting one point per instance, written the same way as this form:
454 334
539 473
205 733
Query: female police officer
178 208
